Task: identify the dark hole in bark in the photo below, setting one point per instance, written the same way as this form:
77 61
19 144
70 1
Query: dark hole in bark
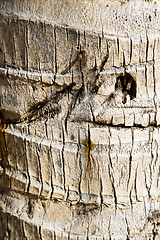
127 84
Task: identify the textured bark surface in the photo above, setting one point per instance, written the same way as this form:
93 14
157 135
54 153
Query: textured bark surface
79 120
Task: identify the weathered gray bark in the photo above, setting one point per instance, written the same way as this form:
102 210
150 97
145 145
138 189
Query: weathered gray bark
80 116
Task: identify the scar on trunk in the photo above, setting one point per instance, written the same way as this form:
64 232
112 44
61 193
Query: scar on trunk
127 85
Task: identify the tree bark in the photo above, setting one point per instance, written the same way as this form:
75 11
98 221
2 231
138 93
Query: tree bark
79 119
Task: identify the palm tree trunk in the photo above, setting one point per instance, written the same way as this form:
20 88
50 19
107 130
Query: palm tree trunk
79 120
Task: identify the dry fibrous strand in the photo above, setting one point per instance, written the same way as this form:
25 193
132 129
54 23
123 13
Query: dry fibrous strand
40 109
49 105
80 58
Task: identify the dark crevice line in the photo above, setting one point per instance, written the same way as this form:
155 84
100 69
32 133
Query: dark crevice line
99 42
63 159
55 235
3 151
101 192
40 233
130 198
67 33
22 228
50 173
135 183
85 40
135 126
110 172
154 45
147 46
70 58
130 168
26 46
155 92
55 50
52 184
89 144
78 39
128 229
52 170
145 182
118 45
146 81
124 61
130 50
40 169
29 179
78 158
46 130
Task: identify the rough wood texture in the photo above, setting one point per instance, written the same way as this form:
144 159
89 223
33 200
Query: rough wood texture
79 120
